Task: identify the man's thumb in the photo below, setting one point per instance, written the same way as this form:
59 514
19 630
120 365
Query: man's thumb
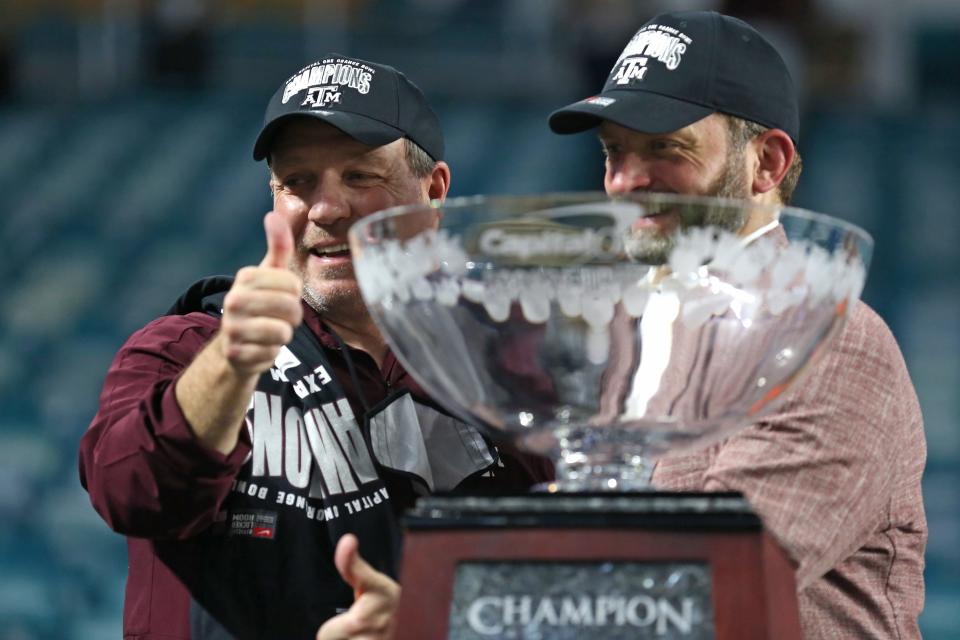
354 569
279 241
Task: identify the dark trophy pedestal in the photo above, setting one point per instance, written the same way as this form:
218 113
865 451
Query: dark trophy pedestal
554 566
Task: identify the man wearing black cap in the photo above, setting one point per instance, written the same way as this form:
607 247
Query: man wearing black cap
261 436
700 103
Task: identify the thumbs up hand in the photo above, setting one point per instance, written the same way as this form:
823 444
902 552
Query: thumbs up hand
376 597
262 308
279 241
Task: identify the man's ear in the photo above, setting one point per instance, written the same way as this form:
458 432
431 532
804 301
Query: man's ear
437 184
774 154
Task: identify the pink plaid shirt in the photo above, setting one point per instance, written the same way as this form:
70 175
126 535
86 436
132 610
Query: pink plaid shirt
835 475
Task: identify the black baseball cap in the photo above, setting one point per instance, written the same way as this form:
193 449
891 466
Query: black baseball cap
370 102
682 66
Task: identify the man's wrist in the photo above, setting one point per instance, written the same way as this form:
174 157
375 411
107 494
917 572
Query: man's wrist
214 396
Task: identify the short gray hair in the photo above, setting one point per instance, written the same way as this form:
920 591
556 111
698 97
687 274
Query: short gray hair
420 163
740 132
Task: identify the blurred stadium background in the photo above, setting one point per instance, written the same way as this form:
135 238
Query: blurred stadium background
125 174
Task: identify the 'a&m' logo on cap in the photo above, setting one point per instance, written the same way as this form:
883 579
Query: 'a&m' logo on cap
658 42
323 81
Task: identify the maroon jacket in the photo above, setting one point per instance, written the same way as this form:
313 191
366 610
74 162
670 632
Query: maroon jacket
241 545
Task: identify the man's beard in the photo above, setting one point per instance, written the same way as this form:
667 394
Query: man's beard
333 302
317 301
654 248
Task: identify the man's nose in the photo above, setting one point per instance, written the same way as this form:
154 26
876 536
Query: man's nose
329 202
630 174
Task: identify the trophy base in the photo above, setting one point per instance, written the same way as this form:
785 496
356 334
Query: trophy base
645 565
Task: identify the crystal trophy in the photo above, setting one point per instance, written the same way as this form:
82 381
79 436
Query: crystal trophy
603 333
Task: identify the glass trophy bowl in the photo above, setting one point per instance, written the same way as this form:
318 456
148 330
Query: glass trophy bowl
604 333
